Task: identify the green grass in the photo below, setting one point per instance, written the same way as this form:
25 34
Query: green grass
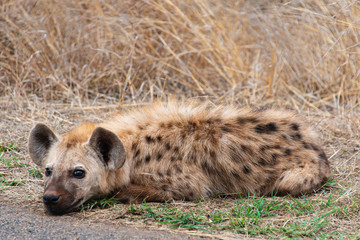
100 203
8 147
288 217
35 172
5 183
9 159
7 156
12 182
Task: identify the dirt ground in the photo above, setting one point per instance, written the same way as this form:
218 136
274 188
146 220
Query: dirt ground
29 222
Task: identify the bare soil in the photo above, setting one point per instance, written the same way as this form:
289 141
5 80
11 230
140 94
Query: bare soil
25 222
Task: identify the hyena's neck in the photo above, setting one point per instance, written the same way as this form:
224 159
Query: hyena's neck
116 179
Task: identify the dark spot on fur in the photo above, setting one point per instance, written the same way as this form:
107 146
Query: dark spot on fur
263 190
306 145
179 179
133 146
281 178
68 145
312 182
217 120
167 146
236 154
168 172
159 156
207 167
261 161
235 174
246 169
187 177
315 148
137 153
243 120
296 136
322 156
301 166
169 125
244 148
268 128
305 181
178 169
183 136
204 165
172 159
294 127
226 129
287 152
162 125
194 157
147 159
276 147
165 187
137 163
263 148
176 149
149 139
284 136
192 124
324 180
160 174
273 158
159 138
191 194
132 181
212 155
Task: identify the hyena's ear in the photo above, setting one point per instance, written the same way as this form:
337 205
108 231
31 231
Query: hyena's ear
109 148
40 140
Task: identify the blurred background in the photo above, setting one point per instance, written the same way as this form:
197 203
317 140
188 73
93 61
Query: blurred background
302 53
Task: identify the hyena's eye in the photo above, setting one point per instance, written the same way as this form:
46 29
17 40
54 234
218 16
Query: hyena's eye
47 172
79 174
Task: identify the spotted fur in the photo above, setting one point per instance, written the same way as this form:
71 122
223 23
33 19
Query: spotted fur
181 151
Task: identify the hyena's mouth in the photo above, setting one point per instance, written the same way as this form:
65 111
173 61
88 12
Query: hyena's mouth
62 210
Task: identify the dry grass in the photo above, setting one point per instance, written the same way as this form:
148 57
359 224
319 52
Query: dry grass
64 61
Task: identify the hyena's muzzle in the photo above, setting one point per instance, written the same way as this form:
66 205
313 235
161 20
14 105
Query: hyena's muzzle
59 200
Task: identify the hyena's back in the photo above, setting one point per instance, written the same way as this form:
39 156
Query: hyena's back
187 152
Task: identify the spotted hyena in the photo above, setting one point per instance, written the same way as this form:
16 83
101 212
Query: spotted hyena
180 151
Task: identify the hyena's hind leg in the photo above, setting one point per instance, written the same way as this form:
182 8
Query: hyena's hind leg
304 178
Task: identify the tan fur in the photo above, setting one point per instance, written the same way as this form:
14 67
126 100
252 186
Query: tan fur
188 151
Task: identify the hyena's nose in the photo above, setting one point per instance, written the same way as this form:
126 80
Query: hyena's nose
50 199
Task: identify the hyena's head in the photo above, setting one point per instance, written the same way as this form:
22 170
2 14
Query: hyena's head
76 164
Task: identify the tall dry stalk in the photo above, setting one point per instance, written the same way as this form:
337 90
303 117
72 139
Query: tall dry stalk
295 52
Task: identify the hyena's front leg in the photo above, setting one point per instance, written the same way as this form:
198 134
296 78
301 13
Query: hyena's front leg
138 193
